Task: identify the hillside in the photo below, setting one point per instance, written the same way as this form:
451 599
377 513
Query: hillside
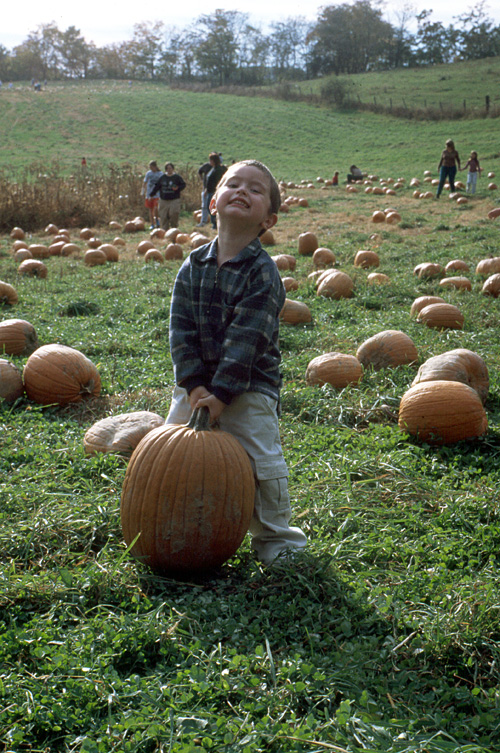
114 122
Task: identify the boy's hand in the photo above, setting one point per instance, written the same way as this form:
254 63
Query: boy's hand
197 394
214 405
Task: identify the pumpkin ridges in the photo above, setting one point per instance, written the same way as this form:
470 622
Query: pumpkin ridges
60 374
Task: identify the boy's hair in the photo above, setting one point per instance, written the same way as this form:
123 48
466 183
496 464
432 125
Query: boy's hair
153 163
215 158
274 190
450 142
169 164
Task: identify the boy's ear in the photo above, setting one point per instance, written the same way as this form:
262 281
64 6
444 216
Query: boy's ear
212 205
270 222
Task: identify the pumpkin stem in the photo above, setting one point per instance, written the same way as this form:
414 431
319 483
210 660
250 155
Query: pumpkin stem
200 419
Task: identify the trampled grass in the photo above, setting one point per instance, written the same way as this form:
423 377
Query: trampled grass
382 637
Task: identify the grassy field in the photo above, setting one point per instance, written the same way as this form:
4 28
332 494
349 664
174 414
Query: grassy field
110 122
432 86
384 635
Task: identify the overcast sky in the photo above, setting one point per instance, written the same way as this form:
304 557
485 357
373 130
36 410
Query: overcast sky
103 22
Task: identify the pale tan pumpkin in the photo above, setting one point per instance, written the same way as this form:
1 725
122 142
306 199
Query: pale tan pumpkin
110 251
22 254
119 241
17 233
378 278
39 251
285 261
459 283
55 249
86 233
94 257
441 316
17 245
17 337
494 213
458 365
487 267
59 374
143 247
94 242
173 251
308 243
457 265
335 284
386 349
290 283
11 381
8 294
295 312
428 270
32 268
492 285
187 498
154 255
267 238
337 369
378 215
70 248
442 412
323 257
121 433
366 259
423 301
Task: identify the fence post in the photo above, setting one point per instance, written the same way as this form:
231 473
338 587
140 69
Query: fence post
464 106
487 103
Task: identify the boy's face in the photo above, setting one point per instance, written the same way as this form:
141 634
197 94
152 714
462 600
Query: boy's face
245 196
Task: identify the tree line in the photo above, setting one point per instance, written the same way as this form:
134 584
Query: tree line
223 48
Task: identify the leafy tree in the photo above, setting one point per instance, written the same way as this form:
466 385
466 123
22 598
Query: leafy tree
38 56
435 43
147 48
218 38
75 55
478 38
348 38
288 46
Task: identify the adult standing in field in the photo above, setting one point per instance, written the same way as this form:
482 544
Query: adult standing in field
217 170
448 167
203 171
170 186
151 202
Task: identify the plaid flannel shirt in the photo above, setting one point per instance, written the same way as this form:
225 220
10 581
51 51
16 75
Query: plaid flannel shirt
224 323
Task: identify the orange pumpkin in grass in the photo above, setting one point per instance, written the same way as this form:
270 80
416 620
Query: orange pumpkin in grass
337 369
323 257
487 267
285 261
459 283
17 337
335 284
59 374
458 365
492 286
187 498
32 268
366 259
8 294
387 349
173 251
11 381
441 316
295 312
429 412
308 243
94 257
423 301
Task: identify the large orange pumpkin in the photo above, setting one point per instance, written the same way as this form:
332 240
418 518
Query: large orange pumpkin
387 349
458 365
442 412
422 301
492 286
17 337
187 498
295 312
308 243
441 316
59 374
11 381
337 369
335 284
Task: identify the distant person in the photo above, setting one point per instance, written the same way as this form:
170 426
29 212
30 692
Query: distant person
216 172
354 174
84 162
203 171
170 186
151 202
473 174
448 167
335 179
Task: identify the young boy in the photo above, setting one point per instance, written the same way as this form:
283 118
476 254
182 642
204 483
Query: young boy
224 323
151 202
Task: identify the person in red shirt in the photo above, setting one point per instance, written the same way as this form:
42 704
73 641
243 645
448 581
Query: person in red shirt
448 167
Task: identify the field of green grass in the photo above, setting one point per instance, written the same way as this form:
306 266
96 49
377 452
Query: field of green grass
110 122
432 86
384 635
